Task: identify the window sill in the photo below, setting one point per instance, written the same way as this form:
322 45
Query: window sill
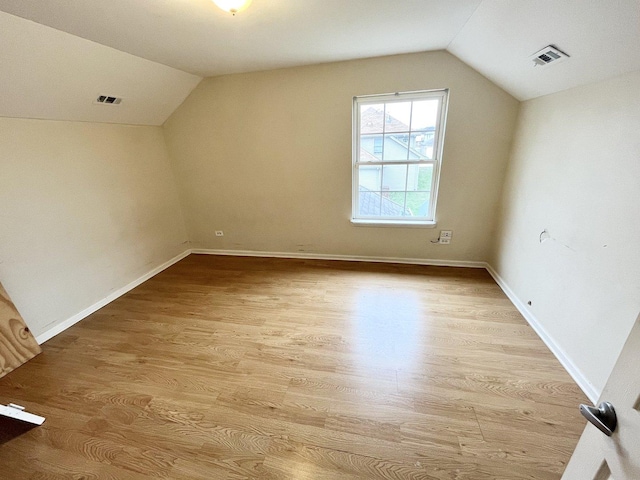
392 223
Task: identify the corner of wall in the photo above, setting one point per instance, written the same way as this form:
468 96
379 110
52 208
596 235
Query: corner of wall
493 264
580 276
498 218
565 360
62 326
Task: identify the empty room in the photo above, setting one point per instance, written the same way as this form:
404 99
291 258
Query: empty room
319 239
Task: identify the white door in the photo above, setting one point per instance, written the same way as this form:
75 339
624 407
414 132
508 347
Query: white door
598 456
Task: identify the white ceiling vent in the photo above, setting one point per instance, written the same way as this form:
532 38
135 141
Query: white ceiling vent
547 55
107 100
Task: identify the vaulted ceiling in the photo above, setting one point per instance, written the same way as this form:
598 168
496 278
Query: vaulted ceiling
58 55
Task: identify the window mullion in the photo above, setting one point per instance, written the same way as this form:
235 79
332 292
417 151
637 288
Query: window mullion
409 134
399 162
381 187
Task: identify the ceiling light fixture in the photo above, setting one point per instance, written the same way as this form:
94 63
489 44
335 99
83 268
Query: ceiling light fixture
232 6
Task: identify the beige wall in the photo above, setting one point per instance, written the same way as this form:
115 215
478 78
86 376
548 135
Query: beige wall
575 171
85 209
266 157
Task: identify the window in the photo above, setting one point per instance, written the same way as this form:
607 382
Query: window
397 152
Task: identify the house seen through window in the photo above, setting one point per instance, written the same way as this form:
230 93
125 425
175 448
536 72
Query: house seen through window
397 155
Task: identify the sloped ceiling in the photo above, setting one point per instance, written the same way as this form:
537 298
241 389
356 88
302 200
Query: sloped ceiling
602 37
198 37
171 44
49 74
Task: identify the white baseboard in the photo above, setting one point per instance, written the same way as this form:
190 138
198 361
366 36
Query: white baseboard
62 326
577 374
347 258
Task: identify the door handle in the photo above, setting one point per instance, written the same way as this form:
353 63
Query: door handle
603 417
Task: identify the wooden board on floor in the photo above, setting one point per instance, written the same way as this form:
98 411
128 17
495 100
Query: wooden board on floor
17 344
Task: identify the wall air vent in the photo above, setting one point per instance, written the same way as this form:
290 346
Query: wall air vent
108 100
547 55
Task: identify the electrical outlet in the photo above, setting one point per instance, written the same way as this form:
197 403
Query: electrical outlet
445 237
219 233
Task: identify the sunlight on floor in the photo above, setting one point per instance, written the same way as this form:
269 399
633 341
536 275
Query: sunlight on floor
388 328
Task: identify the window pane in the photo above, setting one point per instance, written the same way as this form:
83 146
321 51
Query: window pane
372 118
413 177
422 145
385 204
393 204
370 177
424 180
394 177
371 148
396 147
369 202
424 115
397 117
418 203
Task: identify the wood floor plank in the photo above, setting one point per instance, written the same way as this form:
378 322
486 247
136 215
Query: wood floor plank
258 368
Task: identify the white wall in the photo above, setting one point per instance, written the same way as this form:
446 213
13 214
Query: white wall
575 171
266 157
85 209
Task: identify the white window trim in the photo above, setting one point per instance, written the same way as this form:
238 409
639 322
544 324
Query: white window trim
430 222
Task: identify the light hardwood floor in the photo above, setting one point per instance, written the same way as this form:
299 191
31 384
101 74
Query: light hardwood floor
234 368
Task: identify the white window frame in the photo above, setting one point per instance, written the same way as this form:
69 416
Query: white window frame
425 221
